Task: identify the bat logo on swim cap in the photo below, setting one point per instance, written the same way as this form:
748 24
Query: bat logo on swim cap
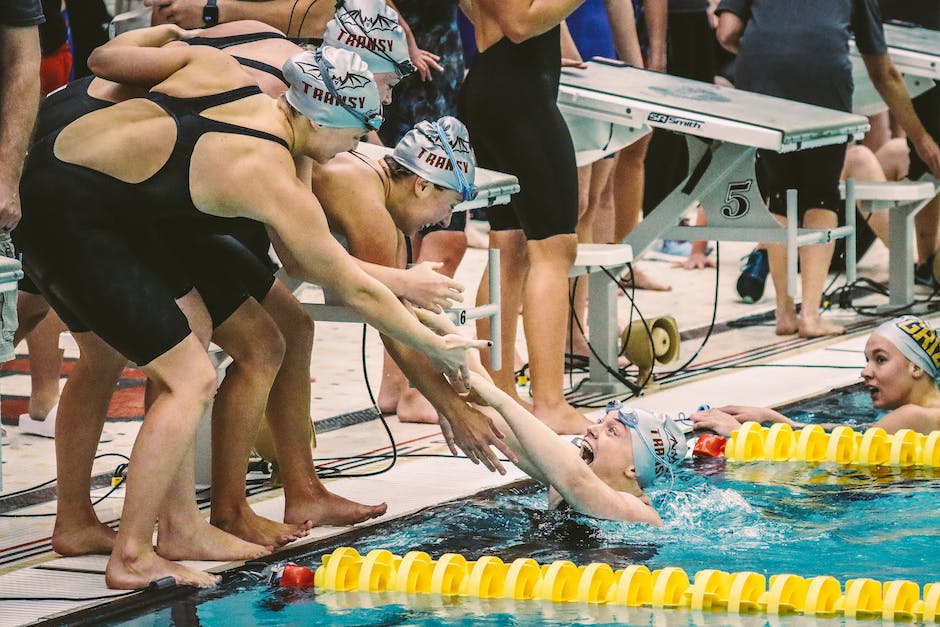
457 144
350 79
354 19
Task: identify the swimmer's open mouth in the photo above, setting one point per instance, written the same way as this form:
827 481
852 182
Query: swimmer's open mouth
587 452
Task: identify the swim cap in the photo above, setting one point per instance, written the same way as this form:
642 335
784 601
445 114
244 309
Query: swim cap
916 340
334 88
370 29
440 152
658 442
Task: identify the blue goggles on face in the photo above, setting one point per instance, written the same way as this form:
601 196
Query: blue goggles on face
402 68
467 189
630 420
371 122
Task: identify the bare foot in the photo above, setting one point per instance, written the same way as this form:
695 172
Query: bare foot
389 396
249 526
326 508
134 572
639 280
92 539
413 407
787 322
818 327
202 541
563 419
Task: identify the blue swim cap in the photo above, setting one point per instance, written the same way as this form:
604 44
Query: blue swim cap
334 88
440 153
370 29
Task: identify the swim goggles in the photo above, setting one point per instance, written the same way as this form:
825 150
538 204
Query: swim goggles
630 420
402 68
465 187
371 122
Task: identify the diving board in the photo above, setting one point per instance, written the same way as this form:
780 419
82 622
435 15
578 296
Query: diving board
724 129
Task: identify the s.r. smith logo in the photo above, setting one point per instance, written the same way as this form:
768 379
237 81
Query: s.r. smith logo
673 120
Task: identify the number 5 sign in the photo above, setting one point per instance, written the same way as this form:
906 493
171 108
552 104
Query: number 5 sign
736 201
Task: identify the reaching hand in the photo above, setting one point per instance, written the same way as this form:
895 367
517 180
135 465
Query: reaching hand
450 357
429 289
575 63
715 420
475 434
928 151
9 208
424 62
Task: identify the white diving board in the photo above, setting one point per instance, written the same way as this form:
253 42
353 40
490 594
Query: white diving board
724 129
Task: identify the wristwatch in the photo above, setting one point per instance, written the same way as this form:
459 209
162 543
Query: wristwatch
210 13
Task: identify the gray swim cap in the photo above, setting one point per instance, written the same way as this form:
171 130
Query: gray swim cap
658 442
440 153
334 88
370 29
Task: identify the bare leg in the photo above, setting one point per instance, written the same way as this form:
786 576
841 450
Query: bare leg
256 346
288 415
514 267
861 164
186 384
45 365
79 420
592 181
544 318
926 224
814 263
628 204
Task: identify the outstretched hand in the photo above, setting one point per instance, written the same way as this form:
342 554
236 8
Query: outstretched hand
476 435
429 289
424 62
929 152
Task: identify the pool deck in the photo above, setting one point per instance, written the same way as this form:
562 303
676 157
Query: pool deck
31 569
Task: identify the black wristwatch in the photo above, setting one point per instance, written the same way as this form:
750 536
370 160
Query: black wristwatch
210 13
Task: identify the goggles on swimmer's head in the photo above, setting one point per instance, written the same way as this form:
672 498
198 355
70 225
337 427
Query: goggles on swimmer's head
403 67
371 122
630 420
467 189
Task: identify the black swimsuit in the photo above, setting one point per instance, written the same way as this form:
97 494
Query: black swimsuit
80 227
508 102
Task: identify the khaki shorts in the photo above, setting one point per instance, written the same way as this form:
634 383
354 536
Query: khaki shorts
10 272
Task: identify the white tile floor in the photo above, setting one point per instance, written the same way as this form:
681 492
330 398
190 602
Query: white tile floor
339 388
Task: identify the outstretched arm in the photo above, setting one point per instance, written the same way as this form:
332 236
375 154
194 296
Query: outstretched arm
558 464
294 18
890 85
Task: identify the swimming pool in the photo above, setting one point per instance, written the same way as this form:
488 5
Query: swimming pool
768 518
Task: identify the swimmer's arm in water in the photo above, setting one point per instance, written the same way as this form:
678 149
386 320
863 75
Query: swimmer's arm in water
724 420
559 464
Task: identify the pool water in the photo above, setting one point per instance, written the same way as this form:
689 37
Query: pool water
769 518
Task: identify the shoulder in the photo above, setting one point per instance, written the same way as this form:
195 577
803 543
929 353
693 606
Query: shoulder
910 416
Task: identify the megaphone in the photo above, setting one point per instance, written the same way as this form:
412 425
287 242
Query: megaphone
655 340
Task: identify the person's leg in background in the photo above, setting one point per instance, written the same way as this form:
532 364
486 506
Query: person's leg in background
815 174
593 180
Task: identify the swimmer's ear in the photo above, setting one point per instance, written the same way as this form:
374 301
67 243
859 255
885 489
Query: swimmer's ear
423 187
916 371
630 472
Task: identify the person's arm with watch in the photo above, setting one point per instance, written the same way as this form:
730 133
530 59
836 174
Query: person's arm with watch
300 18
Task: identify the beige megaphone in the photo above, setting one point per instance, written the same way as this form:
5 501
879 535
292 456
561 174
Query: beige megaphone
644 348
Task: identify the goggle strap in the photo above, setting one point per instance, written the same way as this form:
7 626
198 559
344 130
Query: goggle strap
324 65
465 187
